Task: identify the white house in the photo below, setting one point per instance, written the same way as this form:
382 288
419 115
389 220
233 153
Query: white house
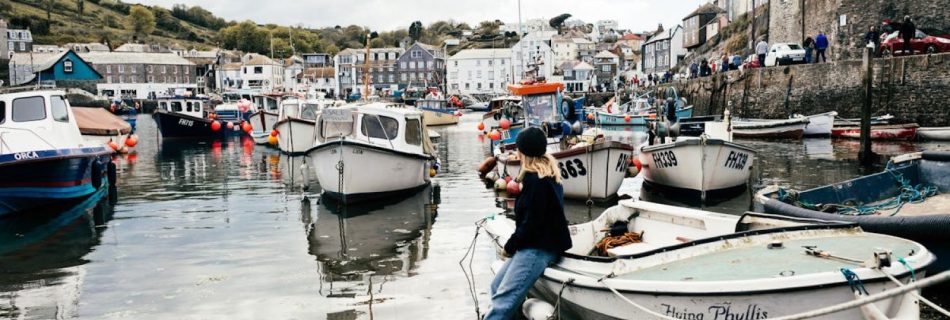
293 67
576 75
259 72
317 79
479 71
141 75
604 27
533 53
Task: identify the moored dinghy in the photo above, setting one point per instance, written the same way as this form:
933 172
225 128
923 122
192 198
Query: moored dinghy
793 128
263 119
693 264
706 163
819 124
905 131
43 156
934 133
437 111
371 150
295 125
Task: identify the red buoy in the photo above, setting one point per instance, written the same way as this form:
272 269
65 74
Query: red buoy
113 145
247 127
636 163
215 125
590 116
626 118
481 126
495 135
131 141
505 124
513 188
274 133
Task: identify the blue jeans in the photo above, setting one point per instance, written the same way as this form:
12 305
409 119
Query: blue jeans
514 279
808 55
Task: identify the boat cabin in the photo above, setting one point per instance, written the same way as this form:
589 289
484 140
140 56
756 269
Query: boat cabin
385 125
299 109
433 104
542 102
37 120
195 107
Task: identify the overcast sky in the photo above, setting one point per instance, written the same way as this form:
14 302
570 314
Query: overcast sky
385 15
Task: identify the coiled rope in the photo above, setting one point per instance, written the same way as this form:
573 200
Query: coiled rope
908 194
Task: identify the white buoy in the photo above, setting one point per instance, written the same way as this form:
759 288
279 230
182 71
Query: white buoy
306 176
537 309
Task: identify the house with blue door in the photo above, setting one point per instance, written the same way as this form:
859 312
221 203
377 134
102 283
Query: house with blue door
64 69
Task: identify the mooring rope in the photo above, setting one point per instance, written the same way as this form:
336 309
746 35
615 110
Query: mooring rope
913 278
470 273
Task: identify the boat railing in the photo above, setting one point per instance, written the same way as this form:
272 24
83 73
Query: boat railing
3 142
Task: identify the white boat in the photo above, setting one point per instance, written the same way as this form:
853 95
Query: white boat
437 111
296 122
934 133
371 150
793 128
698 165
693 264
262 121
588 171
819 124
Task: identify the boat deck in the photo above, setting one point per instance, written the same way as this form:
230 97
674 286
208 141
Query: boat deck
938 204
758 261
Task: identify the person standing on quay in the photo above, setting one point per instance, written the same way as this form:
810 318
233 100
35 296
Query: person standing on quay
541 232
873 38
809 48
762 49
908 31
821 44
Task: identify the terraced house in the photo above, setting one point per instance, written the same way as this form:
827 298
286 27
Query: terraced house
350 67
136 75
422 65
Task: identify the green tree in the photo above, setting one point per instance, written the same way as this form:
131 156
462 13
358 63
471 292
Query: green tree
141 20
245 36
415 30
558 22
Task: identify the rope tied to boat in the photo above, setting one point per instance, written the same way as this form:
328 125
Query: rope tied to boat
610 242
908 194
470 273
854 281
557 303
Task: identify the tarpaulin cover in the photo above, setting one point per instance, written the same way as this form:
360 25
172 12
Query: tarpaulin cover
99 121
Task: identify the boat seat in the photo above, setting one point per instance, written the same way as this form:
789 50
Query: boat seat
629 249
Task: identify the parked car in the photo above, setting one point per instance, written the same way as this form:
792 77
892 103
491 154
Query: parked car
750 62
893 45
785 54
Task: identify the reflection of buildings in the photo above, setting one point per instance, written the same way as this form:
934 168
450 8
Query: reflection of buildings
371 242
42 258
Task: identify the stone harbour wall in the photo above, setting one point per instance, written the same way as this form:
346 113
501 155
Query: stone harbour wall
912 89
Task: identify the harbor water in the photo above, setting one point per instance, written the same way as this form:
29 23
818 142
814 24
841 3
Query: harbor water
231 230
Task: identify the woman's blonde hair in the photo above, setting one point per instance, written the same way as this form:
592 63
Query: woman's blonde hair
544 166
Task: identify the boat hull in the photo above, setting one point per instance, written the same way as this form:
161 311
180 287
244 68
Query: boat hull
820 124
769 130
172 125
438 118
369 172
934 133
609 119
885 132
262 122
594 174
33 179
693 166
295 136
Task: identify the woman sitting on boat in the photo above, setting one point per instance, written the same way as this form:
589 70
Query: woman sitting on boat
541 233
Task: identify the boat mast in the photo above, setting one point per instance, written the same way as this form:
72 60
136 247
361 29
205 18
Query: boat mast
366 77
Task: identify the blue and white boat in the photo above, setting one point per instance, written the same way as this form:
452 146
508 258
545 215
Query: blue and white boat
436 111
43 157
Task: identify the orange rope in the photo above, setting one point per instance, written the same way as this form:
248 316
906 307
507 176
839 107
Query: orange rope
612 242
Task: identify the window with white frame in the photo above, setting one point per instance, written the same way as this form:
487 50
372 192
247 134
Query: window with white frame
402 77
429 64
121 68
68 66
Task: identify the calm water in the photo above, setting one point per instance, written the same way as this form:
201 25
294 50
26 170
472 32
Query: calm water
223 231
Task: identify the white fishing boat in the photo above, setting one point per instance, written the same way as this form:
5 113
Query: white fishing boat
793 128
934 133
371 150
706 163
591 167
819 124
296 122
685 263
262 121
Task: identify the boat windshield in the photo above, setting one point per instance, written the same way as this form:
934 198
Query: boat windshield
309 111
231 97
540 108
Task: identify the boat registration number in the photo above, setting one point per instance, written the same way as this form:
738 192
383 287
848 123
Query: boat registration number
736 160
186 122
572 169
664 159
622 162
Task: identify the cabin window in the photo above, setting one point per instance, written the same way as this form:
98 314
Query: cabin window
29 109
413 132
188 106
309 112
380 127
333 129
3 111
68 66
197 105
163 105
176 106
58 109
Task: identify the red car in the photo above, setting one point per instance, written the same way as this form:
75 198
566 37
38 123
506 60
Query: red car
751 62
892 44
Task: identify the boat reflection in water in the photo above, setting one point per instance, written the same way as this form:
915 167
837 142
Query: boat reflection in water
369 243
42 257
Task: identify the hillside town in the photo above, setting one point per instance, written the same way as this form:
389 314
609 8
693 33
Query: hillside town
628 159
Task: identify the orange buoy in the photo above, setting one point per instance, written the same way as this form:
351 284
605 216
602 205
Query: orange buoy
131 141
274 133
487 165
272 140
113 145
513 188
481 126
215 125
590 116
638 164
626 118
505 124
247 127
494 135
432 172
230 125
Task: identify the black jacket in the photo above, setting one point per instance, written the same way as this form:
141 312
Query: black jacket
908 30
539 217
